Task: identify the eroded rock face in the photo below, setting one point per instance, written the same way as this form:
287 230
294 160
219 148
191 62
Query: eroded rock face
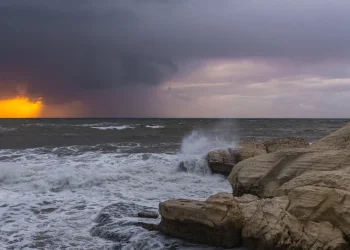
227 221
277 144
264 174
254 148
339 139
268 225
213 222
248 149
222 161
320 196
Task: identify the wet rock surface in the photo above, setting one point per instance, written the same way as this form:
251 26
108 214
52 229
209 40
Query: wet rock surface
222 161
148 214
116 222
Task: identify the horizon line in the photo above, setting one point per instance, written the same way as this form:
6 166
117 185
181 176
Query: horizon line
241 118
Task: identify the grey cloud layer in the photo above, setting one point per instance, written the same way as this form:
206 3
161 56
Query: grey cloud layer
63 47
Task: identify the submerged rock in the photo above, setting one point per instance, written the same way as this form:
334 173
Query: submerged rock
148 226
148 214
117 222
198 166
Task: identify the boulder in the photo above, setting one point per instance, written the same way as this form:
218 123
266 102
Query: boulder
221 161
320 196
148 226
227 221
212 222
264 174
148 214
198 166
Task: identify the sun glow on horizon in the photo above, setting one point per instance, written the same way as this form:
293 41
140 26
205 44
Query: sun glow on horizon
20 107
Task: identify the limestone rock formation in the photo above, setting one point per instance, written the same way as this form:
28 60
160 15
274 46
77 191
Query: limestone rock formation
277 144
320 196
264 174
339 139
248 149
228 221
268 225
213 223
222 161
292 196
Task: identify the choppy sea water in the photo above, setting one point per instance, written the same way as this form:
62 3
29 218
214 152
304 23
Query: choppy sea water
57 175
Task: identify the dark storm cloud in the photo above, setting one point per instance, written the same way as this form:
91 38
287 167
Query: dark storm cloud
61 48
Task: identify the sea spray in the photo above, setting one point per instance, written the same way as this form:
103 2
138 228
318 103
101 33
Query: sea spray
198 143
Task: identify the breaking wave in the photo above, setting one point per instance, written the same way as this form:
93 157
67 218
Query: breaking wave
114 127
50 196
197 144
154 126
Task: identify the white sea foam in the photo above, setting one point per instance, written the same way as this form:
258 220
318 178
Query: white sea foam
108 126
122 127
9 172
154 126
2 129
50 200
50 197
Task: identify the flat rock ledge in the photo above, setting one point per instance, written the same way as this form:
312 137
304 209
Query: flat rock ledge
227 221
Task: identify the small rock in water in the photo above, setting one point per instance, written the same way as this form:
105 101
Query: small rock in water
148 214
148 226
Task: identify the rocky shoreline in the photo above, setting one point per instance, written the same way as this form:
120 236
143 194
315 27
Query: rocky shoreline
294 196
286 194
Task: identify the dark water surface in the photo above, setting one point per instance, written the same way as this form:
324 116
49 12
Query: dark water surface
29 133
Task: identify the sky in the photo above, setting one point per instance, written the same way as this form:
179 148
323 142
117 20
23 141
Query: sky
183 58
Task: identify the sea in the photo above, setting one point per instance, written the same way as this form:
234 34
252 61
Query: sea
79 183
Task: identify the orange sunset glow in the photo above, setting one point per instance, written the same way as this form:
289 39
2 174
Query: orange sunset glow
20 107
